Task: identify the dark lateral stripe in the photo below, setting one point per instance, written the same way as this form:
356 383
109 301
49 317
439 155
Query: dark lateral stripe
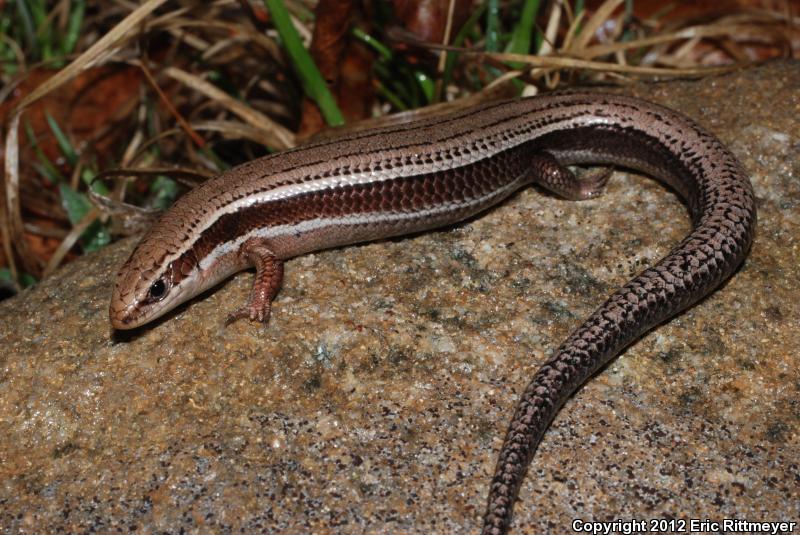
408 160
401 196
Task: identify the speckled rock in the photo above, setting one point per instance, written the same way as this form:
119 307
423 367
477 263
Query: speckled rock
377 397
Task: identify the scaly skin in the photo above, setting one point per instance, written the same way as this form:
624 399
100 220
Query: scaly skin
426 174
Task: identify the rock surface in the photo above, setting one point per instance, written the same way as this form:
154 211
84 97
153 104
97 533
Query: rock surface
377 397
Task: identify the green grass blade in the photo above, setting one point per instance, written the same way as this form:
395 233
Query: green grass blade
73 27
493 26
45 167
44 27
427 85
313 82
28 27
63 141
384 51
6 53
393 99
521 38
493 32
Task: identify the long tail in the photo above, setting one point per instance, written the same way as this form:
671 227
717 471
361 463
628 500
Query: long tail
723 207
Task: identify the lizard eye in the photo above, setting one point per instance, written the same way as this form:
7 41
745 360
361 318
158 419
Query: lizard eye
158 290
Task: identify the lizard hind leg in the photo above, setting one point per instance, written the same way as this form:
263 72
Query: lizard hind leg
269 276
554 177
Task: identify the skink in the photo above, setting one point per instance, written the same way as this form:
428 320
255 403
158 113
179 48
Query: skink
434 172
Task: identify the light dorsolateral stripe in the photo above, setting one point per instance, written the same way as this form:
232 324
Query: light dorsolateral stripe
369 218
426 174
381 165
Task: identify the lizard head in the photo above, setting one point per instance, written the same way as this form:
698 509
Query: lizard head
154 280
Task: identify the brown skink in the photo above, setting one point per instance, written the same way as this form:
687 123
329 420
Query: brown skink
426 174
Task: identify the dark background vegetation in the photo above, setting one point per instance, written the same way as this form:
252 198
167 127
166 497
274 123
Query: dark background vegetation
110 109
